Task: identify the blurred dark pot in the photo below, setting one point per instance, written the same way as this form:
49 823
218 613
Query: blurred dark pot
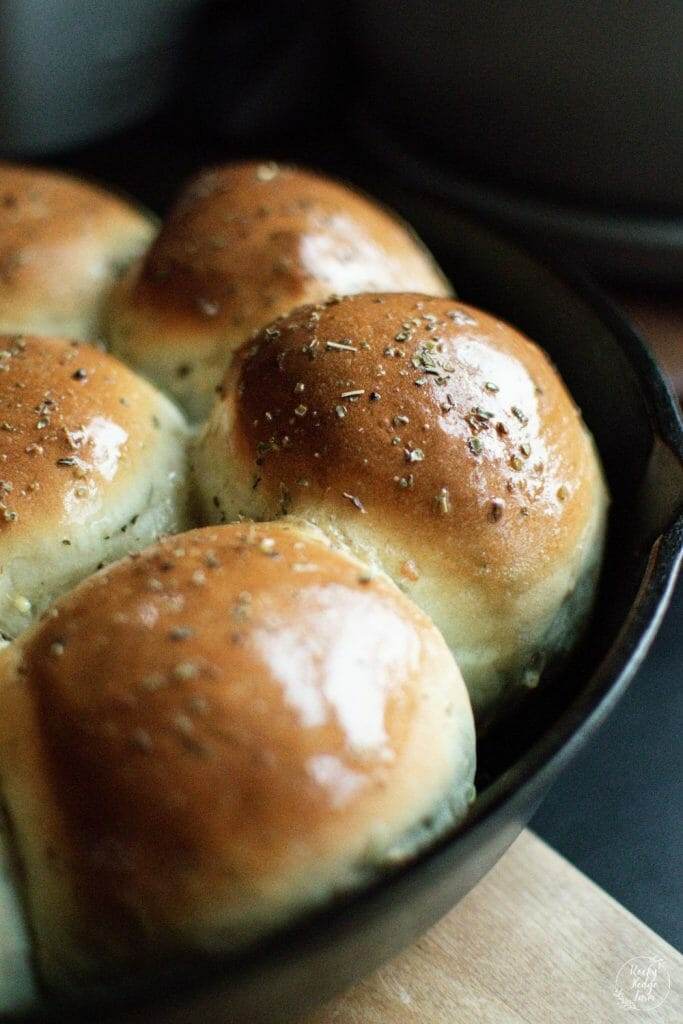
575 98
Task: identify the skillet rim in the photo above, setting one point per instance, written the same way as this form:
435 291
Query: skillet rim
530 775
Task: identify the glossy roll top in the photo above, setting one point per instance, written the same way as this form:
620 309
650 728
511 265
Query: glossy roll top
245 243
205 740
92 465
62 244
437 443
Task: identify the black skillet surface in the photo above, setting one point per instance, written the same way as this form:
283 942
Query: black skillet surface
635 422
619 243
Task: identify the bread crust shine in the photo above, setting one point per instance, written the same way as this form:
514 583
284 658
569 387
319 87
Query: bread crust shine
245 243
205 740
92 465
63 242
437 443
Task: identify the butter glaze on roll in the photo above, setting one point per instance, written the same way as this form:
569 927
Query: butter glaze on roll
62 244
204 741
438 444
245 243
92 465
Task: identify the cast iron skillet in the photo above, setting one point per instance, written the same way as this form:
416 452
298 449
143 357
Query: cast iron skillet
635 421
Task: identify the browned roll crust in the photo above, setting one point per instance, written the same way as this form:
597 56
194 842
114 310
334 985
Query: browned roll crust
435 442
92 465
245 243
204 740
62 244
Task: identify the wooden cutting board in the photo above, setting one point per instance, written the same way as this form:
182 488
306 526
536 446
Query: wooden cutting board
535 943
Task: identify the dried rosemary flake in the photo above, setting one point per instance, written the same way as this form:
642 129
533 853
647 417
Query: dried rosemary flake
355 501
497 509
458 316
340 346
207 307
185 670
443 501
181 633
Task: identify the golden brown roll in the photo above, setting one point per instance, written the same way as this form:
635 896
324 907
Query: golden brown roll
436 443
62 244
245 243
203 741
92 465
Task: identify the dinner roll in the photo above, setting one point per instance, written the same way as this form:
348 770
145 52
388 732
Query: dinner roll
92 465
438 444
245 243
205 740
62 243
